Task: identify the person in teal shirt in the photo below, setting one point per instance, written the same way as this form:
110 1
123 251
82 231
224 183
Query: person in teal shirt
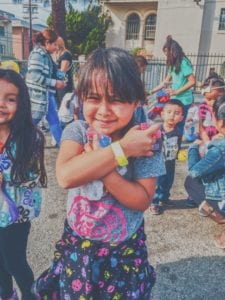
180 78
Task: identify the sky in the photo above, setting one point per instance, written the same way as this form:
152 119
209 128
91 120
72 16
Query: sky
43 13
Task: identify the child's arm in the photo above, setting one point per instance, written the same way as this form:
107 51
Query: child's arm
161 85
190 83
135 195
202 133
75 168
212 161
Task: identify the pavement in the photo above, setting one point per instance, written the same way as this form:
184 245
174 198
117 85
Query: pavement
180 242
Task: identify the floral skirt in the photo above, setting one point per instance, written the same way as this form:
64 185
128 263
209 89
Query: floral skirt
83 269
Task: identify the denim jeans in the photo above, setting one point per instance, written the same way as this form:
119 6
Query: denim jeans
164 183
52 118
196 191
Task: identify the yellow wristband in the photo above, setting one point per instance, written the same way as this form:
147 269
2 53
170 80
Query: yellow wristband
119 154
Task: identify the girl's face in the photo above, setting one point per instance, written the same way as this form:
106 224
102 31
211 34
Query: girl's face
8 101
51 47
211 96
106 113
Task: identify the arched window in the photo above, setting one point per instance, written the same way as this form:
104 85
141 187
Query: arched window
133 27
150 26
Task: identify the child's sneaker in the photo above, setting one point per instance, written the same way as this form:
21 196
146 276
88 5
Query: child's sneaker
155 209
190 203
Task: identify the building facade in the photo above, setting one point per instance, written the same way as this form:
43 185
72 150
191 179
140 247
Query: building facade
6 43
198 25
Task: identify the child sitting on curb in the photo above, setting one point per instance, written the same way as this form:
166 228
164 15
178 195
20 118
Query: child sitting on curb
172 114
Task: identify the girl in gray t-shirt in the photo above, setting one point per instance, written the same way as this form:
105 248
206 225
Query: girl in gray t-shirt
110 171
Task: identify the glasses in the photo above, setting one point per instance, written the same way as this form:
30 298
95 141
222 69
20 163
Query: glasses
209 89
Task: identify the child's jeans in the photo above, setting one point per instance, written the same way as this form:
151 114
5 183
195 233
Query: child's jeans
52 118
13 261
164 183
196 191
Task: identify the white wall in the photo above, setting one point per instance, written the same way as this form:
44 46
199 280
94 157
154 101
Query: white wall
116 35
218 36
181 19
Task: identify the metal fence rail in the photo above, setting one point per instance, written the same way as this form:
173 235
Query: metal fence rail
156 69
202 65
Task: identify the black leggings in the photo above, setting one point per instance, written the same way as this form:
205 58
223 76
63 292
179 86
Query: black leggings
13 261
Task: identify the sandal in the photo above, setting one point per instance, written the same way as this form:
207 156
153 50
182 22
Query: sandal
208 211
219 240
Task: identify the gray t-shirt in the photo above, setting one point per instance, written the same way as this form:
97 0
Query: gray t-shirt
94 213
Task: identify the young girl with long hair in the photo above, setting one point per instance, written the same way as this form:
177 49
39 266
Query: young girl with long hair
64 61
22 174
110 171
180 75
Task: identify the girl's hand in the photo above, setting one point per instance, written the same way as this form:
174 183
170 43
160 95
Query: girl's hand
60 84
171 92
139 142
92 145
198 142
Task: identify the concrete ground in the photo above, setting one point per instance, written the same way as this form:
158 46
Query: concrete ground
180 243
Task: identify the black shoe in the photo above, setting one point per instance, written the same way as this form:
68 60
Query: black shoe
190 203
168 203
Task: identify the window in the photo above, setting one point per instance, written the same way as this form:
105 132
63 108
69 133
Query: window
2 31
17 1
34 9
46 3
133 27
222 19
2 49
150 26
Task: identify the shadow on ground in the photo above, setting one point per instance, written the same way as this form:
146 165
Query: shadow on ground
195 278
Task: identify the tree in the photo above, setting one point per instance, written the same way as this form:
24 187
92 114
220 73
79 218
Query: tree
85 30
58 17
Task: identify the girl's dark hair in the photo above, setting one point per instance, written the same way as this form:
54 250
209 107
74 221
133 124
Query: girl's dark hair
25 145
175 102
44 36
141 60
174 55
219 108
119 68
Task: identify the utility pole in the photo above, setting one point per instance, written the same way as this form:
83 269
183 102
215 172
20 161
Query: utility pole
30 27
30 9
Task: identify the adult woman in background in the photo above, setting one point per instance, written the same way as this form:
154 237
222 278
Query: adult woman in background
42 81
63 59
180 74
